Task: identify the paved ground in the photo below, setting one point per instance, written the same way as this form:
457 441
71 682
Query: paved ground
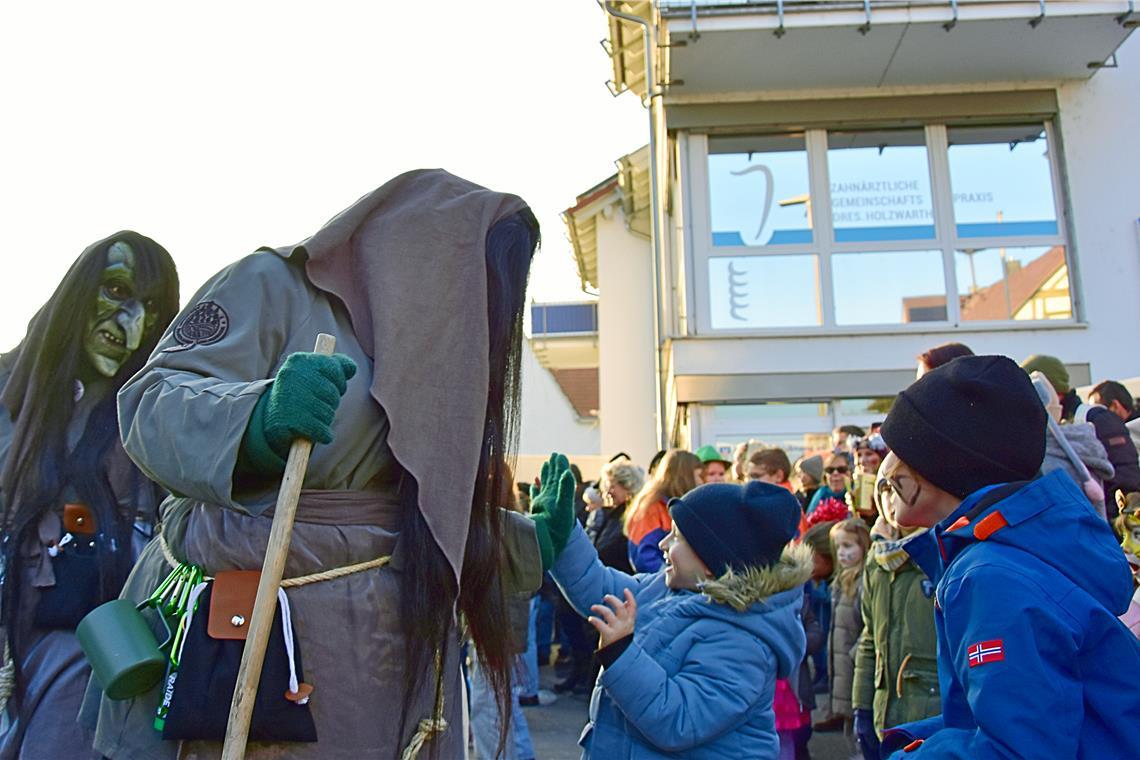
554 728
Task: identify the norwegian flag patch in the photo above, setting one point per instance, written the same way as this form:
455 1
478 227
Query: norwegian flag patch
986 652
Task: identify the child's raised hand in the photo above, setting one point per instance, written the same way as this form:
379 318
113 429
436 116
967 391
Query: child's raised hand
615 621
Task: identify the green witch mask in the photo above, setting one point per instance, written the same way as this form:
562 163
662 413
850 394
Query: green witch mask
120 316
1128 522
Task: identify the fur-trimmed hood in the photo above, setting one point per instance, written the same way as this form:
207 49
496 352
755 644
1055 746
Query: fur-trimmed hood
763 602
740 590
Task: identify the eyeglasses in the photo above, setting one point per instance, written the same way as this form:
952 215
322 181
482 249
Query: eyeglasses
842 470
884 487
887 486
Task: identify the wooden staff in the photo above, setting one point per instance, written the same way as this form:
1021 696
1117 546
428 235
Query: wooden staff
265 605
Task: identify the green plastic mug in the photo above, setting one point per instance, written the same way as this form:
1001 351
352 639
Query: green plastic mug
125 657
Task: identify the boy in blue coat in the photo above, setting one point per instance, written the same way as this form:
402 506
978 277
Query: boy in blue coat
1032 661
692 652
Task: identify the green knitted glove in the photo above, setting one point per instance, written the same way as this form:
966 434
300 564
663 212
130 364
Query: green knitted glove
552 508
301 403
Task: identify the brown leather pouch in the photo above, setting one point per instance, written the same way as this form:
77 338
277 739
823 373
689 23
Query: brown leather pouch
78 519
231 604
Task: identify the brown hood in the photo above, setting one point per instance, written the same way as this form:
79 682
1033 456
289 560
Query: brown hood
408 262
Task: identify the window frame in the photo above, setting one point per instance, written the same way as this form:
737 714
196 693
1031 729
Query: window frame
824 246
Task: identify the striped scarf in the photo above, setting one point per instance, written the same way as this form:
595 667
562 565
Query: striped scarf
891 553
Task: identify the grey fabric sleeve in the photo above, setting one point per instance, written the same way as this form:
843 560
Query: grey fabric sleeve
523 572
183 415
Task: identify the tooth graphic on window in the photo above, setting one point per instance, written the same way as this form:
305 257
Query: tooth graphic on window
770 183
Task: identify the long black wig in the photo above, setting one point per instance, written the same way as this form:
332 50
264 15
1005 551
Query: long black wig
39 396
428 595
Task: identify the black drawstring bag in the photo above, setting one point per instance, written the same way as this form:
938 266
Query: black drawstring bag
76 590
207 676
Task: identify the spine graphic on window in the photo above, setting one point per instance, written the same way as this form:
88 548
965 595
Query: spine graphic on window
737 292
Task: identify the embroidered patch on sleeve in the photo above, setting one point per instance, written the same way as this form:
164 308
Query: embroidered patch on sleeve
986 652
205 324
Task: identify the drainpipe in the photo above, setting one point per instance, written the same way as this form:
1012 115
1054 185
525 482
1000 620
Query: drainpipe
654 105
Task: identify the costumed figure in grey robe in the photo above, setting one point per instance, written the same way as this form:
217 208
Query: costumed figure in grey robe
72 502
422 282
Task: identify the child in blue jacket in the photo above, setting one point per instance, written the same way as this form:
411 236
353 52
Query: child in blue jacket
692 652
1032 661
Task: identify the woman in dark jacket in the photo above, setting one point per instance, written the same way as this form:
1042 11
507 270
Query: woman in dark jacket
620 480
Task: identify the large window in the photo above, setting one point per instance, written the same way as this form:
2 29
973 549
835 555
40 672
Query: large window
759 191
795 427
879 186
763 291
798 427
832 229
1002 182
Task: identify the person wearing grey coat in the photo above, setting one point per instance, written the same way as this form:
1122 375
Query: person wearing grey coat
1073 447
1081 437
401 280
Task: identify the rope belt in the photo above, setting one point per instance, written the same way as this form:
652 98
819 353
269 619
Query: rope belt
428 729
303 580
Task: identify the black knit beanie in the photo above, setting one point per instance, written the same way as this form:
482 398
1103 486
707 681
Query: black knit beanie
730 525
972 422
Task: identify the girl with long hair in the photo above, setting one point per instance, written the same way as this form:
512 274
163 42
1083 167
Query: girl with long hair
850 542
423 284
647 520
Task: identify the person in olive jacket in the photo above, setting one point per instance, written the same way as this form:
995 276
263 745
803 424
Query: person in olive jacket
896 660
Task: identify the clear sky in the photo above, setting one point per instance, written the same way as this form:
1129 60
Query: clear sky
216 127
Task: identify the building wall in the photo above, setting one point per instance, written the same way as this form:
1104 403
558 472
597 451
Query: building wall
549 423
1099 127
1097 131
625 349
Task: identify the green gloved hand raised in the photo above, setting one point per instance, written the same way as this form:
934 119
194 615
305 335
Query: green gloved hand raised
552 508
300 404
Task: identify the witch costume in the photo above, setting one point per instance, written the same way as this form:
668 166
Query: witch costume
400 279
75 509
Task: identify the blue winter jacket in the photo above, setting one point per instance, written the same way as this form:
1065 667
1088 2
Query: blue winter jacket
1032 661
698 679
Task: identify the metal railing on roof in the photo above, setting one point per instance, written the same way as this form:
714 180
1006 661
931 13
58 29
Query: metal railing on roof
774 6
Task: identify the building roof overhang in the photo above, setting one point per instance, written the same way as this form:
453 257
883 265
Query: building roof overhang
711 48
581 222
629 188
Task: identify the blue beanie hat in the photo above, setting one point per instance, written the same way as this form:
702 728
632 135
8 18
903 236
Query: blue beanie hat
973 422
730 525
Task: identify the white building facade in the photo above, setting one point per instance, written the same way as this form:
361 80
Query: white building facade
832 188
